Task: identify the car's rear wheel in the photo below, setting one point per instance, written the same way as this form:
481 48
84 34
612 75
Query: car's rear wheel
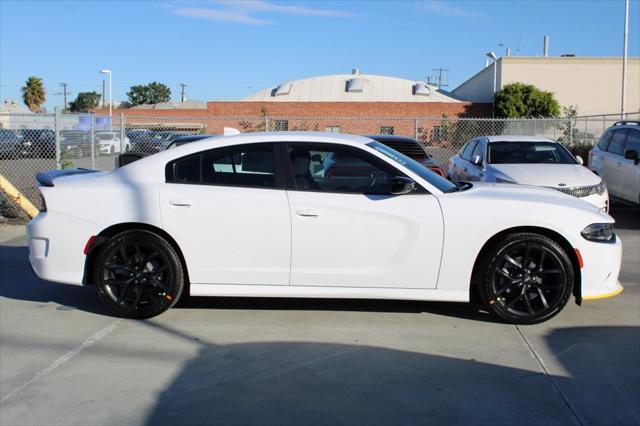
525 278
138 274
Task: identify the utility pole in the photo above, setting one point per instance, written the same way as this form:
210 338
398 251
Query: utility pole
440 79
64 93
624 56
182 94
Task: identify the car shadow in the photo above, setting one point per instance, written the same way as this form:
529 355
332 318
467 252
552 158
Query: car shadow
18 282
312 383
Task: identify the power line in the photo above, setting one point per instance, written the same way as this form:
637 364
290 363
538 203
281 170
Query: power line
64 93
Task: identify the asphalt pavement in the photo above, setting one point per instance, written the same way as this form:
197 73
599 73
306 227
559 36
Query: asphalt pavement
230 361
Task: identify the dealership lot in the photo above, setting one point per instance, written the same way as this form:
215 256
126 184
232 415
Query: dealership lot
63 360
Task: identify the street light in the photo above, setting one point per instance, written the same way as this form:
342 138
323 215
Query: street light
493 101
110 100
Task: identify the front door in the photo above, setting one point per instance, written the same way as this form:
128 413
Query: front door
347 231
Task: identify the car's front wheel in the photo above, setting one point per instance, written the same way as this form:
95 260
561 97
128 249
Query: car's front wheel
525 278
138 274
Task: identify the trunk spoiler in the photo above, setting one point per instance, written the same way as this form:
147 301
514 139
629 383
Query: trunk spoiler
47 178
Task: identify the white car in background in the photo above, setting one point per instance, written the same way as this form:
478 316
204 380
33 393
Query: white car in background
109 143
307 214
616 158
527 160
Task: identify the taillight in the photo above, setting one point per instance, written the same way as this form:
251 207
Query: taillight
43 204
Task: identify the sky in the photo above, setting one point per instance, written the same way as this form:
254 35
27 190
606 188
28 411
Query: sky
227 50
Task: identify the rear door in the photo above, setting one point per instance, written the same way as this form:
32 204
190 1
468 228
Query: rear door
347 231
228 211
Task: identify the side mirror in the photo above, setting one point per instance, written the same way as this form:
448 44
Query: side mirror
631 154
579 160
476 160
401 185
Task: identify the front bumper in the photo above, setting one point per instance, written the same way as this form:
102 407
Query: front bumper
602 262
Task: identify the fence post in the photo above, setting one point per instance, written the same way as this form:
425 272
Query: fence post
122 134
93 140
266 123
56 126
570 131
415 128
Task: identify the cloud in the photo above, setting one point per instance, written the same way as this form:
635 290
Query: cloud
438 7
245 11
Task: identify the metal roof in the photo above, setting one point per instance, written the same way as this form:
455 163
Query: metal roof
346 88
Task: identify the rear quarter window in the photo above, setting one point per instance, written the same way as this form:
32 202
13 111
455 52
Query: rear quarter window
616 144
603 143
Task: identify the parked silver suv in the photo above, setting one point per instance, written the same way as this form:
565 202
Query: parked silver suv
615 159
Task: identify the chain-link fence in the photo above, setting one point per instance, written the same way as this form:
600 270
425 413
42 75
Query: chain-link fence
31 143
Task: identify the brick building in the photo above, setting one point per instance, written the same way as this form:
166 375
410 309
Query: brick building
349 103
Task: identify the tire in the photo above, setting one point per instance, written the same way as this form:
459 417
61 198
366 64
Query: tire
526 292
138 275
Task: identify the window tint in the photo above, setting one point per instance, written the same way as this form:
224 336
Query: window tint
478 150
466 153
633 141
603 143
528 153
244 165
338 169
240 167
616 144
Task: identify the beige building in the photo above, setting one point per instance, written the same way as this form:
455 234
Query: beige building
594 85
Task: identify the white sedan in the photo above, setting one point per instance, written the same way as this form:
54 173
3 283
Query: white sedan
303 214
527 160
109 143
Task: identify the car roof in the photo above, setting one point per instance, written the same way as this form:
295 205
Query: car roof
392 138
517 138
297 136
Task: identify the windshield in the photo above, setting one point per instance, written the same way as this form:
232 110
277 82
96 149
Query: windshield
528 153
439 182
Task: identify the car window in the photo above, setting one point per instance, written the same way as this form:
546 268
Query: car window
603 143
616 144
528 153
243 165
478 150
339 169
466 153
633 141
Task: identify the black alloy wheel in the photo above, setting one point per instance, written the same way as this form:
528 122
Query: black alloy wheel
527 278
138 274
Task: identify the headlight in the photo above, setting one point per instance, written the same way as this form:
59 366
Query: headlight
601 188
598 232
500 180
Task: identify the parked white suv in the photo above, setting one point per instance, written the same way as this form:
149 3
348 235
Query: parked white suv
615 159
527 160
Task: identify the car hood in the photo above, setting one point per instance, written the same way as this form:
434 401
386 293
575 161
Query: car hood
550 175
507 192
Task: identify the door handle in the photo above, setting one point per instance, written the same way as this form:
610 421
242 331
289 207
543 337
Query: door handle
307 213
180 203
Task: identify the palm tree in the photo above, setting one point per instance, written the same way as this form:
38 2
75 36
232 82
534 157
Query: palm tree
33 93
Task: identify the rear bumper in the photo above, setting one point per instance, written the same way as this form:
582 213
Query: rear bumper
56 249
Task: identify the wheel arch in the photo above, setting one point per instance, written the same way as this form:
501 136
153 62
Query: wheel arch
113 230
549 233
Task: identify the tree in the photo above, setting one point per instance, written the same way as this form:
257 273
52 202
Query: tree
519 100
85 101
152 93
33 93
